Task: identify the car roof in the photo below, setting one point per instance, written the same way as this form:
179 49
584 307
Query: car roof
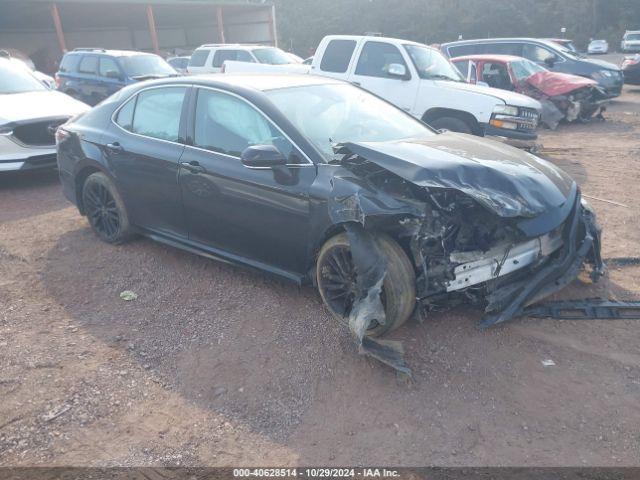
489 57
375 38
231 46
544 41
264 82
113 53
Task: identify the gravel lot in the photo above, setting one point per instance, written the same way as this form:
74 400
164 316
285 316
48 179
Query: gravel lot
214 365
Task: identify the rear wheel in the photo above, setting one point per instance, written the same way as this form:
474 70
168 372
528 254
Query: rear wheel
105 209
451 123
337 282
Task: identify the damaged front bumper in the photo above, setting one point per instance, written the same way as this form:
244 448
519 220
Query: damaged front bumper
507 297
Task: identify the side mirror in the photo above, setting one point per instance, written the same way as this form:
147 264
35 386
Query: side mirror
397 70
113 74
550 61
265 156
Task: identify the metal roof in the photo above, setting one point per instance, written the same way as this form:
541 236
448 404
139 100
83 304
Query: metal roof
249 3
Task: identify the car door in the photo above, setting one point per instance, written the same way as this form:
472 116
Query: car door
374 72
111 78
256 214
143 148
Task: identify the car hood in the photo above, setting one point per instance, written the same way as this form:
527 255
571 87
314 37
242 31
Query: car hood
553 83
17 107
601 63
504 179
510 98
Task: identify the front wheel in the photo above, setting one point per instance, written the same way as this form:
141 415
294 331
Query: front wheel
451 123
337 282
105 209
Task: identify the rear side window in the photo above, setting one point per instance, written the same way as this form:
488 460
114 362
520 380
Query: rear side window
462 50
125 115
337 56
88 64
376 57
157 113
222 56
502 48
69 63
199 58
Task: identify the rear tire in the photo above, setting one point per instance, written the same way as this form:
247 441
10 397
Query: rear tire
451 123
105 209
398 290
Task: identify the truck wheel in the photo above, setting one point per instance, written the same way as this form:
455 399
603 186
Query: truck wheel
336 278
451 123
105 209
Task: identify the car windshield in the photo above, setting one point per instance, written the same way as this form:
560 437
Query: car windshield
272 56
17 79
598 42
431 64
632 36
146 65
331 114
523 69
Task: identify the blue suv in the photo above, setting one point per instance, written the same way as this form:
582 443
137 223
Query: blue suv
93 74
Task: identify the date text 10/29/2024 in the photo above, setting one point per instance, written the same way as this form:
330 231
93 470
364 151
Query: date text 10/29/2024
315 472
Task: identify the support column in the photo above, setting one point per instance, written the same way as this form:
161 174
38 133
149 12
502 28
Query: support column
220 25
272 25
58 25
152 30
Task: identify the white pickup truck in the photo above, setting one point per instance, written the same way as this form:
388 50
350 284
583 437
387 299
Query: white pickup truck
419 80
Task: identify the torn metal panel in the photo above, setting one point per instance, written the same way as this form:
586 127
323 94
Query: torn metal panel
551 115
587 309
368 308
581 238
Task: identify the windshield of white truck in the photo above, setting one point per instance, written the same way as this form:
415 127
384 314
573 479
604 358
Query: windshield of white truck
431 64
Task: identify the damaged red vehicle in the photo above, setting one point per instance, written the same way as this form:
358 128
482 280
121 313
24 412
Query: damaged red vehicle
563 96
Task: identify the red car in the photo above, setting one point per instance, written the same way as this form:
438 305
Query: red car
563 96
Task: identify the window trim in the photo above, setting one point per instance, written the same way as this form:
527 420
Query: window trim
114 115
226 92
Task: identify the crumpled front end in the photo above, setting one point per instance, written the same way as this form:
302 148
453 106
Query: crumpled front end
460 247
580 104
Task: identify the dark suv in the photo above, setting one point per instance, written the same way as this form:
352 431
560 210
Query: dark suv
547 53
93 74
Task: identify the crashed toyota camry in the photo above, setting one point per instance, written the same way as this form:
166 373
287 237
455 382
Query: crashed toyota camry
320 182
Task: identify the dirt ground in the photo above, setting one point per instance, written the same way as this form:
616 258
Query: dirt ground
214 365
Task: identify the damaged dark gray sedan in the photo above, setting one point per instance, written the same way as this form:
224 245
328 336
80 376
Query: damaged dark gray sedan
321 182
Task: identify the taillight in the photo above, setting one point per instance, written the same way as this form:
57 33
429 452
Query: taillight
58 80
224 68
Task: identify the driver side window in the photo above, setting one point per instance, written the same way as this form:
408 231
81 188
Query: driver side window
375 59
226 124
538 54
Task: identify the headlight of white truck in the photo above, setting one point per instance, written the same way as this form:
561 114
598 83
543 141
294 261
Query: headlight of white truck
514 118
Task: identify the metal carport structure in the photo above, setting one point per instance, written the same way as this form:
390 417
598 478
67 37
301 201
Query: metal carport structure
45 29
